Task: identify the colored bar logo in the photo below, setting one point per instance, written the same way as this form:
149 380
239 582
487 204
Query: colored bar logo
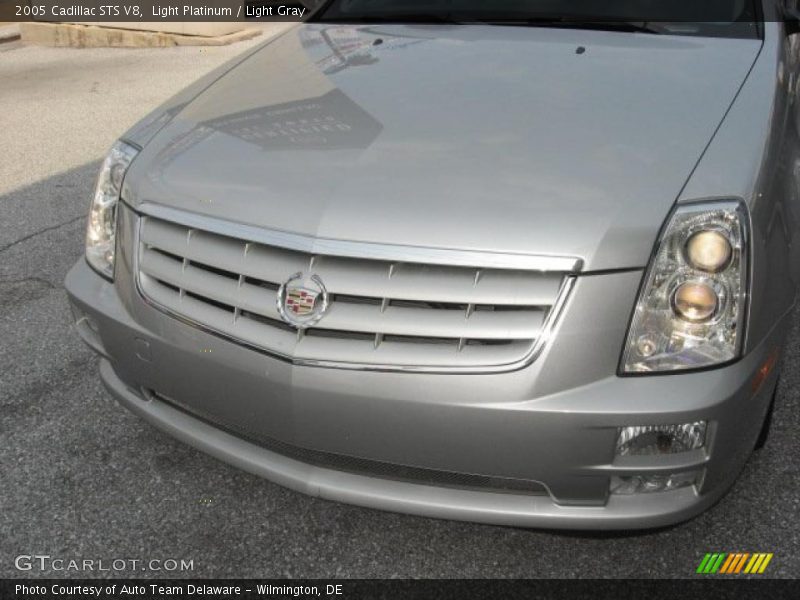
735 563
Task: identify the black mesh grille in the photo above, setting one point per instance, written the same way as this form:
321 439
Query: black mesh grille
362 466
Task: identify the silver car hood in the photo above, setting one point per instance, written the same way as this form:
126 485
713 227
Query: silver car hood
520 140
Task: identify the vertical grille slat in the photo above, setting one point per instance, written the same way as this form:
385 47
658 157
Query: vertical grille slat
385 314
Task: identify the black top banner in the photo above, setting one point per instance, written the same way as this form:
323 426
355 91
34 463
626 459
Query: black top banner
531 12
136 11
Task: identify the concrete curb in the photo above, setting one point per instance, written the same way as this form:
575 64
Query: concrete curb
9 33
70 35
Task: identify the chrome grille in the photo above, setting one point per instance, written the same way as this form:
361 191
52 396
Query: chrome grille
383 314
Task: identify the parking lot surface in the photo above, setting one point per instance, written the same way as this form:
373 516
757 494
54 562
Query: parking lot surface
82 478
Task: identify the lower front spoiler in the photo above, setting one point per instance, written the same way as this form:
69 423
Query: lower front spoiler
621 512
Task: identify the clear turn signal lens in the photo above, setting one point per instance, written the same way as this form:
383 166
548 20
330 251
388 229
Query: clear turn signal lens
650 440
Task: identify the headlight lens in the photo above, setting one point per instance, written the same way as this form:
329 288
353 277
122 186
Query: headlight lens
708 251
690 313
695 301
101 229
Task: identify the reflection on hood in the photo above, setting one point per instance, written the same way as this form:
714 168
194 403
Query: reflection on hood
330 121
338 47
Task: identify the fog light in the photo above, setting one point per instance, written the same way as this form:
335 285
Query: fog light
660 439
625 485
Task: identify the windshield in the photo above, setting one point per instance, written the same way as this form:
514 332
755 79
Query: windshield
727 18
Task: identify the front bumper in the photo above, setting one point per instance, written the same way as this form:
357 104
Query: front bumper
544 425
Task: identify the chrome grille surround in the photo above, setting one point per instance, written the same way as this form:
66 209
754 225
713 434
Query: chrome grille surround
394 308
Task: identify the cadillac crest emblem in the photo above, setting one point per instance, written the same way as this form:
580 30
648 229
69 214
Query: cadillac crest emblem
302 300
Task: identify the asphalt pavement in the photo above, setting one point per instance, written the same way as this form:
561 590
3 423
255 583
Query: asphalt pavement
81 478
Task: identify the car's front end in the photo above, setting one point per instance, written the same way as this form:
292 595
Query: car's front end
490 308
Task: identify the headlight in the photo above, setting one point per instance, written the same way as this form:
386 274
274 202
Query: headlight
690 312
101 230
